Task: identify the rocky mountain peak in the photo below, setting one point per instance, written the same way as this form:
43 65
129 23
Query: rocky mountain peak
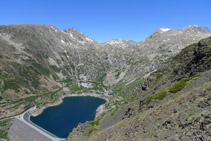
196 29
159 32
78 36
192 26
53 27
70 30
189 31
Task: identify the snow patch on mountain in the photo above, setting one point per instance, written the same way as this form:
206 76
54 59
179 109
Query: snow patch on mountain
164 29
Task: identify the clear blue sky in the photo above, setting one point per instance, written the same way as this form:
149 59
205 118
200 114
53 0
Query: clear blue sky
104 20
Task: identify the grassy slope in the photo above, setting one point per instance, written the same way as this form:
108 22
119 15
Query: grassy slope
170 118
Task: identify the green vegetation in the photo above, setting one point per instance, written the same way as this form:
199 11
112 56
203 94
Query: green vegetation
161 135
159 96
179 85
10 84
72 66
122 107
98 84
127 92
55 68
191 112
96 121
114 111
197 119
4 126
3 134
68 81
49 97
197 75
184 56
4 122
42 70
134 107
30 99
209 48
45 98
22 76
117 75
91 130
160 75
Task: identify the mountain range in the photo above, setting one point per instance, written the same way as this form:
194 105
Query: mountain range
39 64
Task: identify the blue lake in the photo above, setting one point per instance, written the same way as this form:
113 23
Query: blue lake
61 119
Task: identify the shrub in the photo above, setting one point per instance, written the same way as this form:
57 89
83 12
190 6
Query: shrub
134 107
178 86
96 121
11 84
159 95
159 76
3 134
91 130
4 126
41 69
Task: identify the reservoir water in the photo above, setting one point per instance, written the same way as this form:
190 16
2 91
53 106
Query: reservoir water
61 119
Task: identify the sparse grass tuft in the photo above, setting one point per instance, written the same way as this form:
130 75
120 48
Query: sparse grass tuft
114 111
91 130
134 107
160 75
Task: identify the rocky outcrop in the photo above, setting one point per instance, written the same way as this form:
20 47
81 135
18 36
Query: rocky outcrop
193 59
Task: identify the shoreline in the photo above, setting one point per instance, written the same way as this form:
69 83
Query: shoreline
99 110
33 111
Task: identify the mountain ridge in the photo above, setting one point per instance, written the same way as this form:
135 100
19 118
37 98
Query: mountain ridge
189 27
40 64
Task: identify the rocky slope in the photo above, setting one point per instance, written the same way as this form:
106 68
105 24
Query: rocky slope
58 55
38 63
173 104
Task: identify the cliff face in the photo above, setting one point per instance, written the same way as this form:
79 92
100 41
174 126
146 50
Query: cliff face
173 104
